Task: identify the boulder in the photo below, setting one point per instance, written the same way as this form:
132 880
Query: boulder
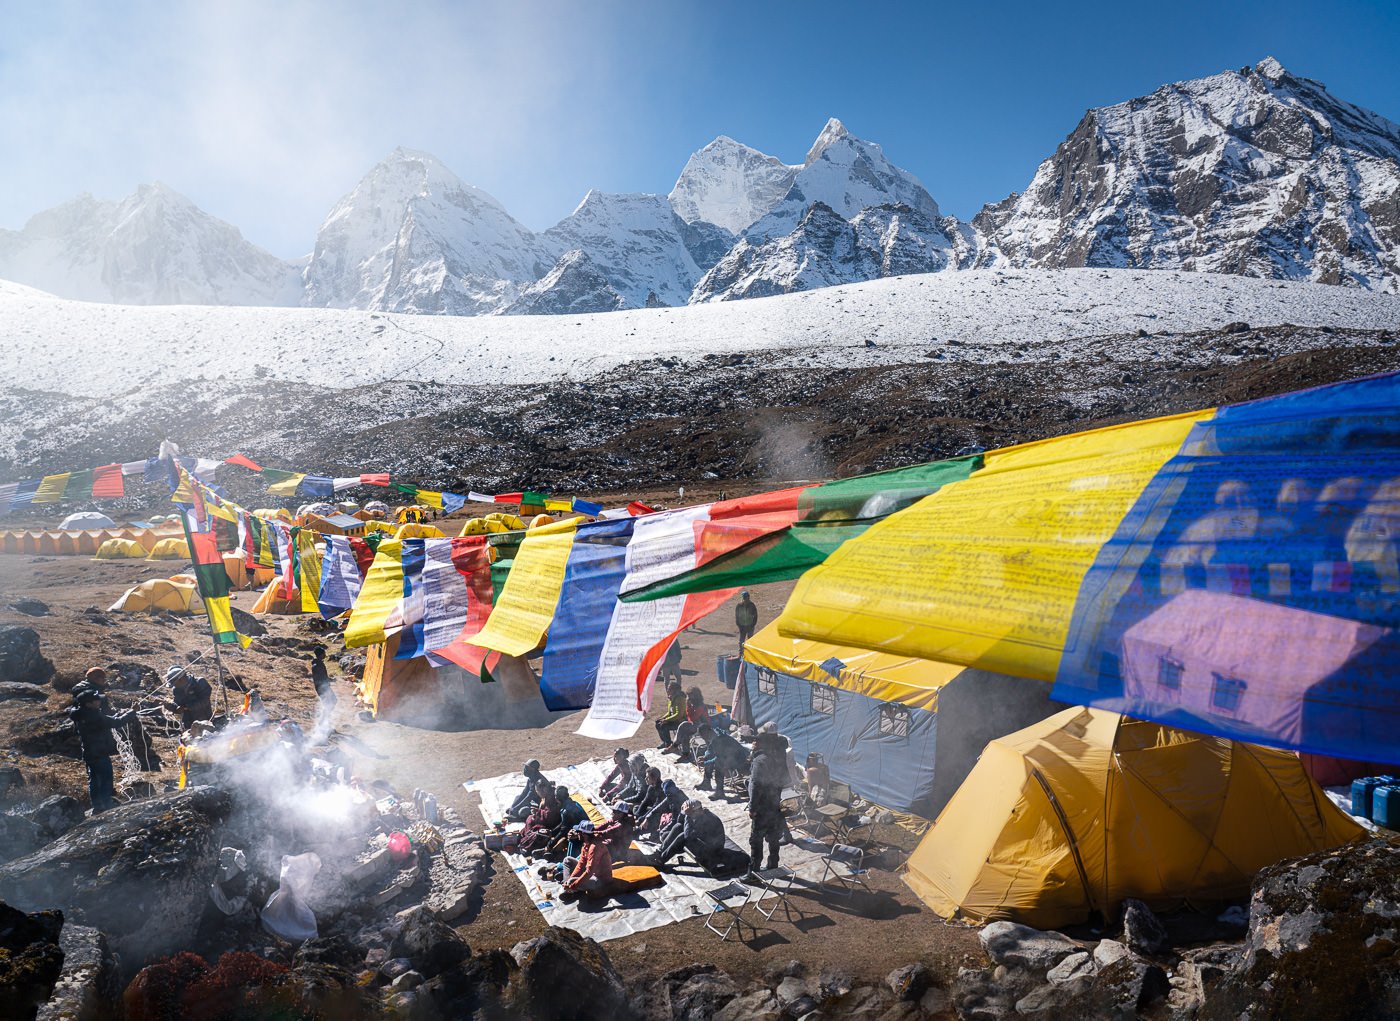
431 945
246 623
1323 939
1020 946
1142 930
138 872
49 734
324 978
909 982
89 986
759 1005
20 658
693 993
11 779
12 691
31 959
31 607
457 872
57 815
1075 966
1108 951
473 986
1198 974
565 977
18 836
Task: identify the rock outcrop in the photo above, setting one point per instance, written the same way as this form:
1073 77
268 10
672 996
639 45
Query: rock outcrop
21 660
138 872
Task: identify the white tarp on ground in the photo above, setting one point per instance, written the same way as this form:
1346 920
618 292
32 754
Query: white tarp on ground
682 896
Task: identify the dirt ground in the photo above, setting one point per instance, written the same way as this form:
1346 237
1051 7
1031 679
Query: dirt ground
866 937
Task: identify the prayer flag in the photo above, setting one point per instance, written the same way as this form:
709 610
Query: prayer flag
107 483
243 462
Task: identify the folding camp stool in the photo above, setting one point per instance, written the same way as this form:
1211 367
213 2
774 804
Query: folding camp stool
845 863
721 910
778 882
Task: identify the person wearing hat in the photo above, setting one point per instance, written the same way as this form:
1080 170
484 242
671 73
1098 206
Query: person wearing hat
191 696
321 678
521 807
619 831
766 773
95 725
745 618
702 835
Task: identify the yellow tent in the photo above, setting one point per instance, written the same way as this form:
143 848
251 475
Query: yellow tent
513 522
159 594
119 549
272 600
170 549
274 513
237 570
1082 810
482 526
540 520
375 525
414 530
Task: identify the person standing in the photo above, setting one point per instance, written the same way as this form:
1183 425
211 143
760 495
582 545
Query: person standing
321 678
95 725
745 618
765 803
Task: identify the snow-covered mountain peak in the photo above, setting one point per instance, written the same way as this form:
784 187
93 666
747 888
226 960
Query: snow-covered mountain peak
848 174
412 236
154 247
1257 171
730 184
833 131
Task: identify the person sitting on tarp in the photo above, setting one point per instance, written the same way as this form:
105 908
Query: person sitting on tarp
619 778
591 872
671 665
666 814
723 755
95 725
701 834
191 696
521 807
632 790
619 831
539 826
675 714
650 795
696 713
571 813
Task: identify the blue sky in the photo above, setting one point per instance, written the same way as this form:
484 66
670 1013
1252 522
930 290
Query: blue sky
266 113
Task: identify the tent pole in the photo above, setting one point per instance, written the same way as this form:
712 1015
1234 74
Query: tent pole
219 664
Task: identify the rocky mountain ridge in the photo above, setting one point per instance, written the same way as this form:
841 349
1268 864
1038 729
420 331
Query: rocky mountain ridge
1256 172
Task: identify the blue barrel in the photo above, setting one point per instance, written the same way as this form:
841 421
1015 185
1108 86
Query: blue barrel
1363 793
727 670
1385 805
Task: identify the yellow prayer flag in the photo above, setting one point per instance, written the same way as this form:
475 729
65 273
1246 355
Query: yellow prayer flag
379 597
51 488
526 605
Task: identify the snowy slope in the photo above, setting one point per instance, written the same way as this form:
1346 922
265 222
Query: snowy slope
730 184
155 247
412 237
990 314
1254 171
825 250
848 174
636 241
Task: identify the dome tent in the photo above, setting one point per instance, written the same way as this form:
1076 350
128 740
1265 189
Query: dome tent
86 521
177 595
1071 816
119 549
170 549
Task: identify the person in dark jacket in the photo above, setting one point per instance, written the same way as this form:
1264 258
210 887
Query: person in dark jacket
671 665
192 696
766 772
633 789
672 802
701 834
745 619
650 796
723 755
675 714
95 724
571 815
321 678
525 803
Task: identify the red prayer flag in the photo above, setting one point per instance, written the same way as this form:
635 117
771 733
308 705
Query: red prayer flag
375 480
107 482
636 508
243 462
